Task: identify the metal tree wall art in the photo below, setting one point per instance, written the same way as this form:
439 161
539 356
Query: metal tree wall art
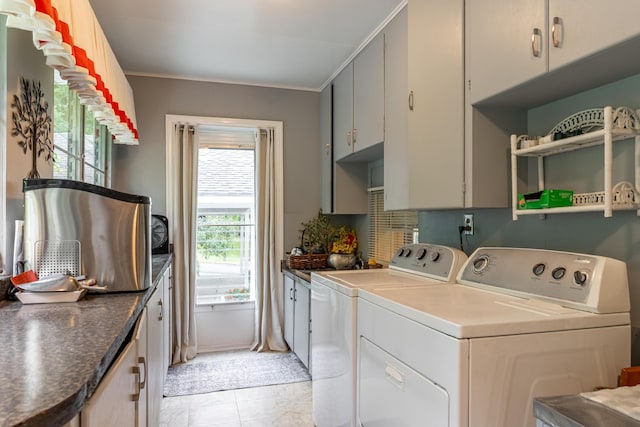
32 123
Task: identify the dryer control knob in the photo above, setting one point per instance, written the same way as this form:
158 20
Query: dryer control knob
580 278
422 252
407 253
480 263
435 257
558 273
539 268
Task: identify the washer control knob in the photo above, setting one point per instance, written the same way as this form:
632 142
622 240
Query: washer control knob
400 252
407 253
558 273
435 257
539 268
422 252
480 263
580 278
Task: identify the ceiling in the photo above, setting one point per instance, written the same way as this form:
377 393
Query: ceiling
298 44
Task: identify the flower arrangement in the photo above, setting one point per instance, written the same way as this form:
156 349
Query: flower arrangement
345 241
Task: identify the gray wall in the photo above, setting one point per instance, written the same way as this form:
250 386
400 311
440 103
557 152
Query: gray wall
141 169
617 237
22 60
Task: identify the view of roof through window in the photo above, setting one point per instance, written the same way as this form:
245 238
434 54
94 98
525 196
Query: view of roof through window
226 224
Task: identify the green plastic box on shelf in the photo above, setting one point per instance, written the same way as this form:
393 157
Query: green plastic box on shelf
545 199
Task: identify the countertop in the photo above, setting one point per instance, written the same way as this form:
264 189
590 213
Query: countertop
53 356
577 411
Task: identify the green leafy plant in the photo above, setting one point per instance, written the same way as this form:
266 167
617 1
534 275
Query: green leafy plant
318 234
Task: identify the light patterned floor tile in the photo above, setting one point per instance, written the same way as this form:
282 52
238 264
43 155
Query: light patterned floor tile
205 416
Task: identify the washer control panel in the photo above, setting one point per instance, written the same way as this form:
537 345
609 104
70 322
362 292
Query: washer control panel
572 279
436 261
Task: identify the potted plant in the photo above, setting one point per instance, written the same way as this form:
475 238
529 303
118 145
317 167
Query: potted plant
343 249
318 234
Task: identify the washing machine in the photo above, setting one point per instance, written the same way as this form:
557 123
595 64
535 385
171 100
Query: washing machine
519 324
334 314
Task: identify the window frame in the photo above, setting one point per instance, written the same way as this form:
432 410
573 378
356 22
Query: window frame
76 139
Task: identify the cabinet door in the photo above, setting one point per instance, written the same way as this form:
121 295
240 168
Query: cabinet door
585 29
116 400
155 355
289 287
326 152
302 298
498 44
368 95
167 289
343 113
436 115
396 139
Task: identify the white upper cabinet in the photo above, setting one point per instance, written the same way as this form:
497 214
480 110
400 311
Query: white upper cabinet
578 30
510 42
358 104
368 95
499 44
343 113
326 152
424 107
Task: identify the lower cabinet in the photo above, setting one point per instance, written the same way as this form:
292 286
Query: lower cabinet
130 393
297 318
121 397
155 352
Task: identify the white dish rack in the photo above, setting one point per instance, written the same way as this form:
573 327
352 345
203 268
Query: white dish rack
592 127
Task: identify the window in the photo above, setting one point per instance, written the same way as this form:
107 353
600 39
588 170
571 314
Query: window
388 230
225 235
82 146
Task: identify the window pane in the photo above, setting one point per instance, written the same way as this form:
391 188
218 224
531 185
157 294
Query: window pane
66 127
225 238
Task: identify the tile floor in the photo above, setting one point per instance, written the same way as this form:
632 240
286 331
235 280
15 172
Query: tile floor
284 405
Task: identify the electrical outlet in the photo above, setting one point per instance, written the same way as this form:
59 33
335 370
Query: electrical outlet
468 222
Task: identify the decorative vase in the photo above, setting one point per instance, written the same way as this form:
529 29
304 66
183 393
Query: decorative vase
341 261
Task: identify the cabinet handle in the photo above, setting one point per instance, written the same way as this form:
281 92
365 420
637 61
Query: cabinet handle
144 365
349 138
291 294
161 316
411 101
295 293
354 136
327 149
536 36
136 396
556 31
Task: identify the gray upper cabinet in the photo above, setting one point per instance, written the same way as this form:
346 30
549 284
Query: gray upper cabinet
343 113
368 95
424 105
326 151
510 42
359 105
343 185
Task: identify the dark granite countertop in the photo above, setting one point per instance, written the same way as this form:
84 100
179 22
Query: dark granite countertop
577 411
53 356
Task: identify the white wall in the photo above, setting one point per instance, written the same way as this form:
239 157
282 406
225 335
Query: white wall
225 326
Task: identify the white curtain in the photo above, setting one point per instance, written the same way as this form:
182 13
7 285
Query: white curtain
183 207
268 329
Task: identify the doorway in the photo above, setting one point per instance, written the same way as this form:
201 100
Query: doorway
225 308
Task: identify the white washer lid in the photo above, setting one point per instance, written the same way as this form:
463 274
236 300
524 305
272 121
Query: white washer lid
465 312
349 282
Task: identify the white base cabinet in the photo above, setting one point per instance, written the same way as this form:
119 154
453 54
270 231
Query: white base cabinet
130 393
120 399
297 319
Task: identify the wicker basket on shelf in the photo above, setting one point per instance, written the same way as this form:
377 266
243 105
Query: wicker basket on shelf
307 261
